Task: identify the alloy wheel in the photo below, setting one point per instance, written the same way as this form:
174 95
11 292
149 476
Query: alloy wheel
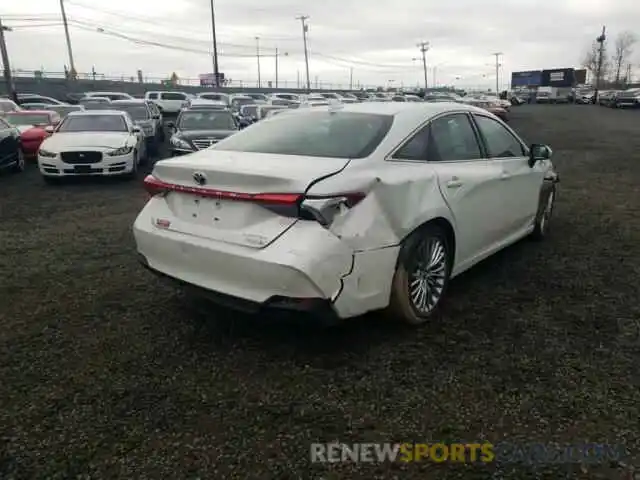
427 279
546 214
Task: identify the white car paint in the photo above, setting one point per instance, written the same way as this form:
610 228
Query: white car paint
110 95
235 245
169 101
53 148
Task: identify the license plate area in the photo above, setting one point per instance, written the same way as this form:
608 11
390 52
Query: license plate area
218 213
82 169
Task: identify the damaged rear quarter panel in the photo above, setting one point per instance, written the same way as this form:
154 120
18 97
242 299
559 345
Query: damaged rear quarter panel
401 196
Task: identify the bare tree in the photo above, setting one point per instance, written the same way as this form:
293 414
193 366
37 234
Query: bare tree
590 61
623 50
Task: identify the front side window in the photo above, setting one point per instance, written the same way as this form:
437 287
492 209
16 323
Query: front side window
94 123
499 141
452 138
152 96
313 134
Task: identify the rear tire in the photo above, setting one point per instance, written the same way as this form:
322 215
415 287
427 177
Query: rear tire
422 275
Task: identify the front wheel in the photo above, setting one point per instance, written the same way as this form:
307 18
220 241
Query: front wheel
422 275
20 164
541 227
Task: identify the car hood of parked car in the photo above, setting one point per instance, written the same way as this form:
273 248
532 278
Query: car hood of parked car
59 141
195 134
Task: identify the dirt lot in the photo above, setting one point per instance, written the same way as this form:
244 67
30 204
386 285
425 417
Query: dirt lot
105 374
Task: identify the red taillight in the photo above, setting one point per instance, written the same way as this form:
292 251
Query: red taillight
155 186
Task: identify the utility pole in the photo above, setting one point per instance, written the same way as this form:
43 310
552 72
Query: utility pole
258 58
72 65
601 39
434 77
424 48
305 29
216 71
298 79
276 67
497 55
351 78
11 88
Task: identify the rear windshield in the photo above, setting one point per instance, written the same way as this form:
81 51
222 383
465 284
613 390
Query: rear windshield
27 119
136 111
93 123
206 120
313 134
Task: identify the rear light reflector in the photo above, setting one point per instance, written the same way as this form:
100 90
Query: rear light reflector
155 186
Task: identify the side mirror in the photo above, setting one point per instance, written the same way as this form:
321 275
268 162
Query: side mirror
49 129
156 117
136 129
171 125
538 152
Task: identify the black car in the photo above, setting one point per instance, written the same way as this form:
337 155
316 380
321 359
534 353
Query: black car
11 156
200 128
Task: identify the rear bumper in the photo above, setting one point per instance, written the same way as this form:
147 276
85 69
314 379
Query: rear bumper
306 269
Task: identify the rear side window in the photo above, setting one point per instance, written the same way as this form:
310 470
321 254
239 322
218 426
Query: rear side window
173 96
152 96
452 138
313 134
499 141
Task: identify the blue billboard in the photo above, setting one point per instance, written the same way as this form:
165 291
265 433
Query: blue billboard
532 78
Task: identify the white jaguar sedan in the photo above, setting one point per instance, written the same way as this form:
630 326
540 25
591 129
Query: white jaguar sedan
93 142
346 209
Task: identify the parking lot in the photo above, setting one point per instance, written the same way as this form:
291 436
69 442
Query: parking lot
106 372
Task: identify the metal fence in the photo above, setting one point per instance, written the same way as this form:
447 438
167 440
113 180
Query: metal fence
192 82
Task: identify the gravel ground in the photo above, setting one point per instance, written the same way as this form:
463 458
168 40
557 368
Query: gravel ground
105 373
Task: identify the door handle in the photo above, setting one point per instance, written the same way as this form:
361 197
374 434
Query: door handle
454 183
505 176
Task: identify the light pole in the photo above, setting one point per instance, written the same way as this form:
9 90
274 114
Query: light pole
305 29
216 71
72 66
497 55
601 39
424 47
258 58
11 88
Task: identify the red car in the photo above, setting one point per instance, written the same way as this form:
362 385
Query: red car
32 125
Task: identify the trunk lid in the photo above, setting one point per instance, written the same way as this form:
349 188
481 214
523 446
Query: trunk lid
208 209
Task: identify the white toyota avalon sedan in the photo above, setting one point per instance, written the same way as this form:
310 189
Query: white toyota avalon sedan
93 142
346 209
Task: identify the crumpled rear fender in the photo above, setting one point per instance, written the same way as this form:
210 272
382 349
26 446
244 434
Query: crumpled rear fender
400 198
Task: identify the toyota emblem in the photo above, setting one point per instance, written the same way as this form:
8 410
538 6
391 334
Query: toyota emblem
200 178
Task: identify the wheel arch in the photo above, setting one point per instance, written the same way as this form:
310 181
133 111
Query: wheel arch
442 223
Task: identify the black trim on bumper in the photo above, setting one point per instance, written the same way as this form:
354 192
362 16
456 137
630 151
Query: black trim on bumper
318 308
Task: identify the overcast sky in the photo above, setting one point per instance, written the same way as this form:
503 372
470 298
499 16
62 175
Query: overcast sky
376 39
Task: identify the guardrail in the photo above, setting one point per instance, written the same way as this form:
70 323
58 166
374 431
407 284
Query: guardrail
192 82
